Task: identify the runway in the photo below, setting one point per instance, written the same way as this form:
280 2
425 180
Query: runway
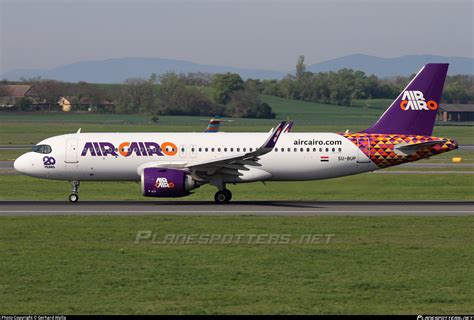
237 208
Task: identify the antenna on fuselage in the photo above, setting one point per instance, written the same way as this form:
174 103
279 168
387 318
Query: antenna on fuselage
78 131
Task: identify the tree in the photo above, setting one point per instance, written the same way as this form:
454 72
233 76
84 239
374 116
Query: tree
300 68
24 104
138 95
153 78
223 85
94 94
177 99
246 104
50 90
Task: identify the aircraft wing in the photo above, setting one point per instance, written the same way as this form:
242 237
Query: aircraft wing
231 164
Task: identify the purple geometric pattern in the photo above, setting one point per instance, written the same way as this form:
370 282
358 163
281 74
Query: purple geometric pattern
380 148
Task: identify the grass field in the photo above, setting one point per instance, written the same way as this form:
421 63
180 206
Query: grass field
18 131
369 186
372 265
375 265
31 127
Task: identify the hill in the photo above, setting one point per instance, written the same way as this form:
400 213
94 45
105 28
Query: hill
117 70
387 67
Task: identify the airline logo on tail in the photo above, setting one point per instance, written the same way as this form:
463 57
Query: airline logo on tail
414 100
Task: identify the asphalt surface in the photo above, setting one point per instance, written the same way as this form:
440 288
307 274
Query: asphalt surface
260 208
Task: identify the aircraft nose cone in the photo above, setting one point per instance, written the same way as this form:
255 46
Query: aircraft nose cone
22 164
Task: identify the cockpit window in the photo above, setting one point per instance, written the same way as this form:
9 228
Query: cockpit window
42 148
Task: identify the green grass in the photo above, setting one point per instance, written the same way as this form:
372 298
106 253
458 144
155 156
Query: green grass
369 186
373 265
321 114
31 132
372 103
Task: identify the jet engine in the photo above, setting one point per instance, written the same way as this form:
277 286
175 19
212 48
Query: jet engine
162 182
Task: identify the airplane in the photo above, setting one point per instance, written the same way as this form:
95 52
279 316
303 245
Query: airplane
174 164
214 124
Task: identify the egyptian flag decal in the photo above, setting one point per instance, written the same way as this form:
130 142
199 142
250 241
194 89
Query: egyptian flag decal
324 159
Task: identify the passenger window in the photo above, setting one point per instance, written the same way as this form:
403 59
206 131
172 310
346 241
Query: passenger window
205 149
295 149
307 149
245 149
289 149
212 149
320 149
301 149
238 149
282 149
314 149
200 149
225 149
327 149
231 149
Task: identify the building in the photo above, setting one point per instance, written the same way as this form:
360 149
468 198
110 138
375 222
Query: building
69 103
11 95
456 112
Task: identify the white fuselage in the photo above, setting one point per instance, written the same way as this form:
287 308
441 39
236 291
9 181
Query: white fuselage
296 156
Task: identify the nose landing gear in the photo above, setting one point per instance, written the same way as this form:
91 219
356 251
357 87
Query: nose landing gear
74 196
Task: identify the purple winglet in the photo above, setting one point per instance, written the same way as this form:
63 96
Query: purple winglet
270 143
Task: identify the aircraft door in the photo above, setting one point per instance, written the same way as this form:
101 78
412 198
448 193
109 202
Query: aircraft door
363 154
71 151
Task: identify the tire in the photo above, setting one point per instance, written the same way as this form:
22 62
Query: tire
229 194
223 196
73 197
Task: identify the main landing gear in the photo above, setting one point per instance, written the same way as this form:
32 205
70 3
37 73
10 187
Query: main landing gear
223 196
74 196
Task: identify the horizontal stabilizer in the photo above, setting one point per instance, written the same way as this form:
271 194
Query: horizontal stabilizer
409 148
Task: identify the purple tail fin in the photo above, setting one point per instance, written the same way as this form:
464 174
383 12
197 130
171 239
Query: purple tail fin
414 110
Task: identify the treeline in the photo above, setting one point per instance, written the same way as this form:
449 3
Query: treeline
344 86
168 94
228 95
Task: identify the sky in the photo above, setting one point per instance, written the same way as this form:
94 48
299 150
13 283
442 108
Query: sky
261 34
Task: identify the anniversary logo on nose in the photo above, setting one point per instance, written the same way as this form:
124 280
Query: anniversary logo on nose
49 162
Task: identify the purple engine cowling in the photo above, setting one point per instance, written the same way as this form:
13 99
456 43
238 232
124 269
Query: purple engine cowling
161 182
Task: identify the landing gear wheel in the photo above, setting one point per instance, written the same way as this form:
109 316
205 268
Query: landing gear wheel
73 197
223 196
229 194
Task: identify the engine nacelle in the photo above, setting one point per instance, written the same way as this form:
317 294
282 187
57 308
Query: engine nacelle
161 182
